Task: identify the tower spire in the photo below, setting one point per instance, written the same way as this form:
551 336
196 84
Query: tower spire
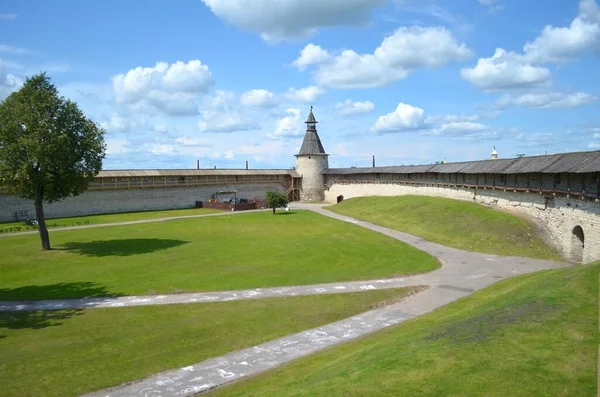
311 122
311 143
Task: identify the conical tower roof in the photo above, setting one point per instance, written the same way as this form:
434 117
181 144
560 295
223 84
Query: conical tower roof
311 143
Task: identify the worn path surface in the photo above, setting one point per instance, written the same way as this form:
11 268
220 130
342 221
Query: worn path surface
462 273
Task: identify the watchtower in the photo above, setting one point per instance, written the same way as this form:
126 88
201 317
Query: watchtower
311 160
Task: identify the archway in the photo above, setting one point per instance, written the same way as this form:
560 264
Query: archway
340 199
577 244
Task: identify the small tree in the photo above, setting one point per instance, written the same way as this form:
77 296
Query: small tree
276 200
49 150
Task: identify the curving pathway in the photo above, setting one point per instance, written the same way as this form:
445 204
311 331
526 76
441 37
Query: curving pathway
461 274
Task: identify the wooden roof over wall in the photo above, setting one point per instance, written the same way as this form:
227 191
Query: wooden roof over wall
576 162
193 172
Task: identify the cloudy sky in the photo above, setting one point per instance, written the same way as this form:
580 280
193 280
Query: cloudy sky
225 81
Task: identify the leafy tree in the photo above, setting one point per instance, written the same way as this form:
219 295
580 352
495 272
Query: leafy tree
276 200
49 150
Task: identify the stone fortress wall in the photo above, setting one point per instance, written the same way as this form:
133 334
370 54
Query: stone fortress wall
561 192
566 219
131 200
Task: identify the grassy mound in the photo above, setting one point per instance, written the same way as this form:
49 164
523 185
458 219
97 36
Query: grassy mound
15 227
67 353
454 223
250 250
536 335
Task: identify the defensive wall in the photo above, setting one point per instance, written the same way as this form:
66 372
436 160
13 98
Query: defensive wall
145 190
560 192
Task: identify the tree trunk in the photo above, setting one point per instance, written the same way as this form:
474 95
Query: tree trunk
273 210
39 212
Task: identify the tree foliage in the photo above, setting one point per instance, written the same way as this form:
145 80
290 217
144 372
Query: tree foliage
276 200
49 149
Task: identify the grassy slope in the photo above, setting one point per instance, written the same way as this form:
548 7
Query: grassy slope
42 355
453 223
220 253
107 218
535 335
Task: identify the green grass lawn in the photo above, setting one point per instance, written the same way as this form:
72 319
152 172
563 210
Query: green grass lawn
250 250
536 335
67 353
106 218
453 223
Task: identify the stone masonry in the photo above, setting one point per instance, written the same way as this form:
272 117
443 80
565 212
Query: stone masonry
130 200
559 216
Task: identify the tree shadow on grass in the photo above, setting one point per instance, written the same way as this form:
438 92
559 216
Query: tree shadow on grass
122 247
46 318
84 289
36 319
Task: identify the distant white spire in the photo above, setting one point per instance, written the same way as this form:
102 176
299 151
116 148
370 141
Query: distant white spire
494 154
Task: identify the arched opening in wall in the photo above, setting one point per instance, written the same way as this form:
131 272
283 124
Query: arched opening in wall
340 198
577 244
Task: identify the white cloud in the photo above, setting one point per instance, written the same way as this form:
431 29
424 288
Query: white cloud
258 98
411 118
349 107
170 88
406 49
161 128
219 99
225 121
510 70
120 123
14 50
311 55
7 16
596 135
549 100
449 118
116 146
419 47
305 95
461 128
291 19
192 141
505 71
492 4
561 44
535 140
594 145
264 148
8 82
162 149
288 126
352 70
404 118
172 104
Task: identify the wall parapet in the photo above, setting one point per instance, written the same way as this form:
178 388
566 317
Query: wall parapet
551 192
570 221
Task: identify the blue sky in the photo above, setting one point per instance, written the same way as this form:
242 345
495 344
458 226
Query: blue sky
225 81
